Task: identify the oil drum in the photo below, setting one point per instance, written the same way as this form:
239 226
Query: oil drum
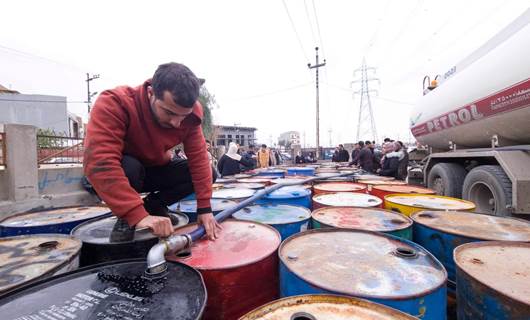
492 280
370 265
370 219
245 185
272 173
50 221
408 204
301 171
345 199
111 291
324 306
97 247
441 232
234 194
291 195
372 183
331 187
287 219
265 181
189 207
383 190
28 258
240 268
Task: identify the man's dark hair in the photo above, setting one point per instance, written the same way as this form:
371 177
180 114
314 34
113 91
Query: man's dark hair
361 144
341 146
400 143
367 142
386 140
208 141
264 146
179 80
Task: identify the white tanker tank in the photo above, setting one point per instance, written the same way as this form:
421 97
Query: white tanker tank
487 94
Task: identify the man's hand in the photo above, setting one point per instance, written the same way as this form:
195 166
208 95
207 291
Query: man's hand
160 226
212 227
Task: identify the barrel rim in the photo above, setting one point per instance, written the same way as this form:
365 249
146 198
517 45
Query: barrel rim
427 195
19 292
324 298
320 186
276 205
380 202
50 209
279 237
409 220
458 250
382 187
462 234
374 233
232 189
233 203
51 271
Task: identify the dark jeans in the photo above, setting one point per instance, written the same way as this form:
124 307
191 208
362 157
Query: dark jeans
171 182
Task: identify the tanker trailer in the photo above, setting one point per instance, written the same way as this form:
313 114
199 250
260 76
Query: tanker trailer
476 125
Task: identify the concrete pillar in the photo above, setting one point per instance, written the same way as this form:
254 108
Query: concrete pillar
21 162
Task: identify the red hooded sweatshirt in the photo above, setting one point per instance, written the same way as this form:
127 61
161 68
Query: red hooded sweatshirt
121 123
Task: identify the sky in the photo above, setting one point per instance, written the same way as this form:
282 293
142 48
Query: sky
253 54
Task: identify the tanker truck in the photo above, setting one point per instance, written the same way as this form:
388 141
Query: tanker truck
475 125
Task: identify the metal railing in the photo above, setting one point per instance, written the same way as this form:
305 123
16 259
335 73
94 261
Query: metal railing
59 149
3 149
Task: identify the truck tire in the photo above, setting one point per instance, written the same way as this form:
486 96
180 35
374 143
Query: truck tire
447 179
490 189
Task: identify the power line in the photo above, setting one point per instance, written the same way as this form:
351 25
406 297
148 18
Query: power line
318 28
272 92
31 55
376 97
309 21
41 101
295 31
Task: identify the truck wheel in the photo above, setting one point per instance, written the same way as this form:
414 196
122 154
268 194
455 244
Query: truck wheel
490 189
447 179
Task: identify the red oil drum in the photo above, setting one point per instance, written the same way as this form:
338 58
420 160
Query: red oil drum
382 191
328 187
240 268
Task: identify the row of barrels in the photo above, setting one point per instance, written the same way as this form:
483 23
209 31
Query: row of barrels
270 252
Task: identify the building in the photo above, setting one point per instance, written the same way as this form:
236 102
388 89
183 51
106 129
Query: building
42 111
289 138
244 136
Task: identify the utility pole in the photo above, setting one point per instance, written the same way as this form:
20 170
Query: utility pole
330 131
316 66
90 94
365 107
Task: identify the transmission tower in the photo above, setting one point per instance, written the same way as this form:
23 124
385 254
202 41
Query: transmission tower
366 124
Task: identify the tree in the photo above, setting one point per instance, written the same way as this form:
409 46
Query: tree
208 102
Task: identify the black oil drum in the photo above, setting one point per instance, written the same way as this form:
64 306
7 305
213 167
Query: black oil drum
97 247
111 291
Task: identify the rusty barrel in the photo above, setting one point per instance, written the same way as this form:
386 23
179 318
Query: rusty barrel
111 291
370 219
372 183
287 219
384 190
234 194
493 280
55 221
330 187
441 232
324 306
240 268
291 195
24 259
189 207
363 264
408 204
97 247
345 199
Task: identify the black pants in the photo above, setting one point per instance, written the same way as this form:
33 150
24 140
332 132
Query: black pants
171 182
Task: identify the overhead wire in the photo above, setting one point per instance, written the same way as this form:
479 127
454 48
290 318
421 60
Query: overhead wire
34 56
270 93
309 22
295 31
318 28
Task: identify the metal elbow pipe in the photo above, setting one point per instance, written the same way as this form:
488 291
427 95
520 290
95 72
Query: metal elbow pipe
156 261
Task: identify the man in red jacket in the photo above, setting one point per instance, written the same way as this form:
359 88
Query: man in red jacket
127 152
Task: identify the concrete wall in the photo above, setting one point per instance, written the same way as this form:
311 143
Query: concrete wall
42 111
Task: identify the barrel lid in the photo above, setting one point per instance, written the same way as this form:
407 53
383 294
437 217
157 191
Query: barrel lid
327 170
98 231
329 174
273 213
288 180
374 177
362 263
383 182
245 185
261 179
226 180
271 171
347 199
289 192
475 225
190 206
111 291
301 169
404 189
330 307
240 243
502 266
242 176
430 202
372 219
26 258
268 177
52 217
233 193
339 187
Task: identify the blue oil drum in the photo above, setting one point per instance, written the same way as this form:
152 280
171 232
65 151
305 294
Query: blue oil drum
189 207
492 280
292 195
55 221
301 171
440 232
272 173
28 258
287 219
374 266
324 306
118 290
